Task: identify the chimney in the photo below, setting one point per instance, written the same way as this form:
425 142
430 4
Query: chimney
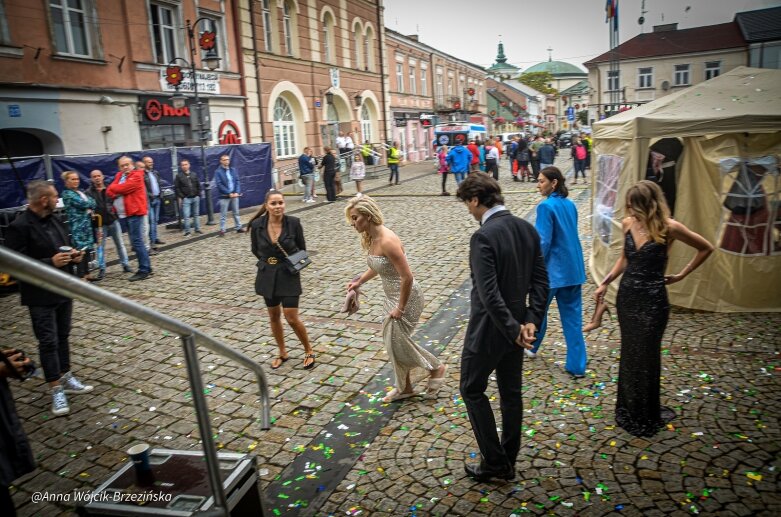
666 28
413 37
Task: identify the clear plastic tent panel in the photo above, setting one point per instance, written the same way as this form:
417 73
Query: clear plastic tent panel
605 197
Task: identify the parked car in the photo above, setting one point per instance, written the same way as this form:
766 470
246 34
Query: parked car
565 140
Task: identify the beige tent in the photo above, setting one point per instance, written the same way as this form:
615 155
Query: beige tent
725 186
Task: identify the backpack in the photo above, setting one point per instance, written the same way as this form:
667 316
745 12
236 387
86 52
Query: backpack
580 152
523 156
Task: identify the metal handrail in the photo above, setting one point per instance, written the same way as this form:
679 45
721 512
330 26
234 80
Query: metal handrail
36 273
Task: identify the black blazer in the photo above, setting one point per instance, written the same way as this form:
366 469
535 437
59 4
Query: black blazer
274 280
506 266
27 234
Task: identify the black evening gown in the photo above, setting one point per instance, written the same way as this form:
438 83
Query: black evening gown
643 311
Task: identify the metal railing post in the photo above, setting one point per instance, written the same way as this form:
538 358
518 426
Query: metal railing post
204 426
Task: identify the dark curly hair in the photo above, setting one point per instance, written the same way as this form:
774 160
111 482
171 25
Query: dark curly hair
483 187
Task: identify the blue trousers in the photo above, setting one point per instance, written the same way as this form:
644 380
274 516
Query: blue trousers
570 304
191 206
154 216
233 203
135 225
115 231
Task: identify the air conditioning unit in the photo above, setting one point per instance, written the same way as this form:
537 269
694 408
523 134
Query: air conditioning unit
665 85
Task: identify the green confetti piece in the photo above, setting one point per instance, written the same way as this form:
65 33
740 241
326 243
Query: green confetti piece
283 496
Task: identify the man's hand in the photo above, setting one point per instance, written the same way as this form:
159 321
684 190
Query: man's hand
528 330
76 257
61 259
520 340
17 359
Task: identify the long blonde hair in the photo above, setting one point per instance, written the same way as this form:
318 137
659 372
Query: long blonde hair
365 205
646 200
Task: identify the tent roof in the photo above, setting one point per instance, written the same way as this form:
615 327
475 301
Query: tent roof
743 99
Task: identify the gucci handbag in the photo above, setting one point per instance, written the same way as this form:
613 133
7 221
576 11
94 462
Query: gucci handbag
295 262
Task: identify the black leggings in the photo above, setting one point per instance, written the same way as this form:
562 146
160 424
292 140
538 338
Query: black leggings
287 302
444 181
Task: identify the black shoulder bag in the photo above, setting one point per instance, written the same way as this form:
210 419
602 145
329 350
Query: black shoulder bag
295 262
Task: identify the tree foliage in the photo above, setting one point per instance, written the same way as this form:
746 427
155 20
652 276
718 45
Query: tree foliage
582 117
539 81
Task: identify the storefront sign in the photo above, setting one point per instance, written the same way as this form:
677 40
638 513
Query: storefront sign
208 82
229 133
400 122
159 110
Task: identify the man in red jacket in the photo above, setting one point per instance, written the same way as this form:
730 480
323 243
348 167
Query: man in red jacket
129 194
474 163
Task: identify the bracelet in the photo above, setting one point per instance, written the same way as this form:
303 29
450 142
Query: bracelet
400 309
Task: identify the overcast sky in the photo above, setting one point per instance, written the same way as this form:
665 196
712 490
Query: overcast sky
574 29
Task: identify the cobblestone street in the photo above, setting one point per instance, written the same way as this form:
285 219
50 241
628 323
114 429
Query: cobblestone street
720 373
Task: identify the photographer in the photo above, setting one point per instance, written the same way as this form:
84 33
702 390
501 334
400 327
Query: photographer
39 235
16 457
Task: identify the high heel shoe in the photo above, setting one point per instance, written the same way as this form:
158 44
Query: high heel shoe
596 319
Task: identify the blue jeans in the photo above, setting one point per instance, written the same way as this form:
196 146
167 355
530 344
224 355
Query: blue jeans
191 205
394 170
135 225
570 304
115 231
459 177
154 215
233 202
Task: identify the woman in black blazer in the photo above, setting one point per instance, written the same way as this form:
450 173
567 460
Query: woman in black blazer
329 173
271 229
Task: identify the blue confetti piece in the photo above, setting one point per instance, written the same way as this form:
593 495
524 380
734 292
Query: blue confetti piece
619 507
579 480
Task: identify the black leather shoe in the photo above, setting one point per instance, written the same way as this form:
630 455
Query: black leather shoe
139 276
158 241
480 472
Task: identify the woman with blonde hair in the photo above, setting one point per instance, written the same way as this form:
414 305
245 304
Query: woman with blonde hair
403 299
274 237
642 303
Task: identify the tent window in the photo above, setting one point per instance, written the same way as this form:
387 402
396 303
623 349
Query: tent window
752 206
605 197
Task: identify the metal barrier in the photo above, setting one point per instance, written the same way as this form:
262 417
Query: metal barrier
38 274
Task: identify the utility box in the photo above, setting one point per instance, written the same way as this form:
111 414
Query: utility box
178 486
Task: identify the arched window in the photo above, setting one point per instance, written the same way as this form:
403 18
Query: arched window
329 44
289 27
284 129
357 33
366 124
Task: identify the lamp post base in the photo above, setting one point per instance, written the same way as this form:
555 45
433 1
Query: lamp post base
207 191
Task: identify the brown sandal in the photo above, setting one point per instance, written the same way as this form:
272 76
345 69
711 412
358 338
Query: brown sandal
310 365
277 362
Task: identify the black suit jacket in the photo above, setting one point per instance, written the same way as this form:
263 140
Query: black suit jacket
27 235
507 266
274 280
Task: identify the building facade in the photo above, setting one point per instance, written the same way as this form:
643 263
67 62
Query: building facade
661 62
313 69
564 76
78 79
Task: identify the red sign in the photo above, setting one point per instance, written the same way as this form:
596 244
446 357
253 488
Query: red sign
157 110
229 133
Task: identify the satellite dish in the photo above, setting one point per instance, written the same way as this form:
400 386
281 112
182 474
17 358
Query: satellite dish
641 20
665 85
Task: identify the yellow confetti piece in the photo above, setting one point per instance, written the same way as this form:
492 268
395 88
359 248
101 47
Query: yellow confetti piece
380 470
643 457
670 427
754 476
252 446
613 443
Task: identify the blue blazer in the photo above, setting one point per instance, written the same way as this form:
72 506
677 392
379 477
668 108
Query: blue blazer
221 180
557 224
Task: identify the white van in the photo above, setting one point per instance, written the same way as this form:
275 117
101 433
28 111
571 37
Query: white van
506 137
454 133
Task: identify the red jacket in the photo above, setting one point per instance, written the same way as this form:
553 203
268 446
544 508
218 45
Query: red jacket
475 153
133 190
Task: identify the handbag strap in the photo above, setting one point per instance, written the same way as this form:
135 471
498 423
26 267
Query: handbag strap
278 245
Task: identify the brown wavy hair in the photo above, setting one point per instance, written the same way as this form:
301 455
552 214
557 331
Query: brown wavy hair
647 203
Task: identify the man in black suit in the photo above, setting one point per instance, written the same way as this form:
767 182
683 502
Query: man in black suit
39 235
506 266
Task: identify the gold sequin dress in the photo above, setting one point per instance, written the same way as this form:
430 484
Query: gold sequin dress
404 354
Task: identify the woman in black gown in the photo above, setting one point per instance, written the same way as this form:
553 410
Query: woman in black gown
642 304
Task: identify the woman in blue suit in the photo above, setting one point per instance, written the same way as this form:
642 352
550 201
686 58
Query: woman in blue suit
557 224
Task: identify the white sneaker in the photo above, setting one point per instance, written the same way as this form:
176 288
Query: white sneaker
59 402
528 353
71 384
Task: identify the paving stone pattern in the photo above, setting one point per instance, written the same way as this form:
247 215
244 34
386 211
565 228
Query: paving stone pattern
719 456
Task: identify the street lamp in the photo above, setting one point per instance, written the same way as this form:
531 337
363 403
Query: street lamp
208 43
